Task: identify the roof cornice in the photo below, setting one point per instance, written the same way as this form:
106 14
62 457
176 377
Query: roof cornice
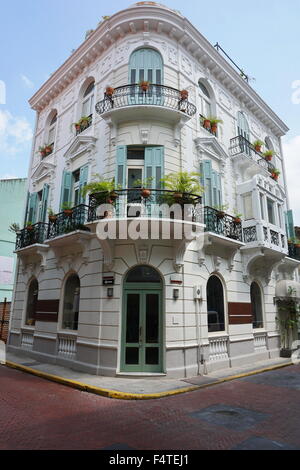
155 18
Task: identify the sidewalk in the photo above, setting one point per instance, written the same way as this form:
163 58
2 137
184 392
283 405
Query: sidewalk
135 388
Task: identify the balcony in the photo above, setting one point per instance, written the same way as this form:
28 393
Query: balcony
31 235
207 129
248 160
83 124
68 221
264 235
294 251
222 224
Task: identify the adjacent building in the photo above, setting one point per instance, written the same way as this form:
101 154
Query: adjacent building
155 304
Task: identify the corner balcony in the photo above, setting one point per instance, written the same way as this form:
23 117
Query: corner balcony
259 234
158 102
248 162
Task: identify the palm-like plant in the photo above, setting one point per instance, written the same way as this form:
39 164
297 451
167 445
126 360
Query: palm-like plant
183 182
103 189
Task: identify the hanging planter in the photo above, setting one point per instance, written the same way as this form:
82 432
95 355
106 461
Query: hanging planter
214 124
145 193
275 174
184 94
258 145
29 226
144 85
109 91
206 124
269 155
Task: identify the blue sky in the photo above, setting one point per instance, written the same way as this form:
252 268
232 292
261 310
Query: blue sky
38 35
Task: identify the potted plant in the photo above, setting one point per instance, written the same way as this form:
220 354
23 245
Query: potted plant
144 185
268 155
184 94
51 216
67 209
237 218
109 91
14 228
258 145
184 186
104 191
144 85
205 123
221 211
29 226
214 124
275 174
84 121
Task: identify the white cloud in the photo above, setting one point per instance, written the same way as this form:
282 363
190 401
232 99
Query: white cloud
27 82
8 176
15 134
291 150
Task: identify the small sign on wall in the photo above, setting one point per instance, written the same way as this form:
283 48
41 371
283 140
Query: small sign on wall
108 280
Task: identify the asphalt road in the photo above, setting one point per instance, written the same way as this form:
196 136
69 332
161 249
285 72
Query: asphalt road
258 412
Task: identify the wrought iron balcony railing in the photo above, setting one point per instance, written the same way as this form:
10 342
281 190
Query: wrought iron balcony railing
156 95
68 221
222 224
208 129
241 146
130 203
294 251
31 235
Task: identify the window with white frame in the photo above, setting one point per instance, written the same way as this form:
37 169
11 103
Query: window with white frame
52 129
271 211
88 100
248 206
206 102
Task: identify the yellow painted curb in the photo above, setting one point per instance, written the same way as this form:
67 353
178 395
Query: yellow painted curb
134 396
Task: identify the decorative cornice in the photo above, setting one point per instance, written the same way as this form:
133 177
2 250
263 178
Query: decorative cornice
147 19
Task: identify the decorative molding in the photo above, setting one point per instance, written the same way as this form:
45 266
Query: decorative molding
80 145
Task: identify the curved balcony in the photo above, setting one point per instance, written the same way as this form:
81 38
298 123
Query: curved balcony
222 224
130 102
130 204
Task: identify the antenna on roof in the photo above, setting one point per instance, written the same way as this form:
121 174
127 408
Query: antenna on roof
241 71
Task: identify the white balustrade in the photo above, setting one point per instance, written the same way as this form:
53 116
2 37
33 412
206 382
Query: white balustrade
218 348
67 346
260 341
27 340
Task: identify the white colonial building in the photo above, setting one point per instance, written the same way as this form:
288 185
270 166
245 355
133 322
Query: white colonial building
152 305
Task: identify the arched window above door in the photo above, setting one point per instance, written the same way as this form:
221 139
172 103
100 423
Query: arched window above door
146 64
215 305
143 274
207 99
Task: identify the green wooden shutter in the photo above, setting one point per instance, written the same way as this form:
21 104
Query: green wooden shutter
44 203
290 224
121 178
66 188
83 179
154 168
206 172
32 208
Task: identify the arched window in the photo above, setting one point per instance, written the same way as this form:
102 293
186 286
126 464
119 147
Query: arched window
268 144
71 303
32 297
256 302
143 274
146 64
206 100
243 126
215 305
88 100
52 129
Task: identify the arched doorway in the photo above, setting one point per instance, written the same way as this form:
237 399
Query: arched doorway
142 332
215 305
256 302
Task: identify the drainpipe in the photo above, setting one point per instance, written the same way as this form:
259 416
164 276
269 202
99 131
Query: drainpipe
284 175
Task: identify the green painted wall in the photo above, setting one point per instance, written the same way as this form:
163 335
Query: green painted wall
12 208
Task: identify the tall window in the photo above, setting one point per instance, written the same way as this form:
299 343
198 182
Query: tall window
146 64
88 100
206 106
256 302
243 126
215 305
33 292
71 303
271 212
52 129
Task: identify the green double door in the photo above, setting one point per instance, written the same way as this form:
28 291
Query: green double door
142 330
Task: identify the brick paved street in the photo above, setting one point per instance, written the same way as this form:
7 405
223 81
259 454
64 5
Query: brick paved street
262 411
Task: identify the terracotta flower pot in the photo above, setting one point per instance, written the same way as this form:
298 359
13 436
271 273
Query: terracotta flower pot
177 195
268 157
220 214
29 228
184 94
275 177
258 148
77 127
145 193
43 153
237 220
52 218
144 86
214 128
206 124
109 91
68 212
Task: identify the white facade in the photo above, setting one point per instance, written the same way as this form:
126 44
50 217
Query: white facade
186 347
